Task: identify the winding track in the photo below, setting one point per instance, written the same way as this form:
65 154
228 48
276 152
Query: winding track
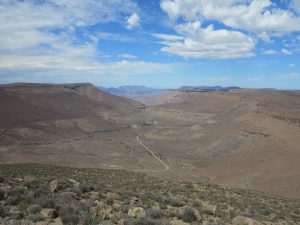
166 167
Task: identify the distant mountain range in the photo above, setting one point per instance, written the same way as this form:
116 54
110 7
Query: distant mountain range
206 88
132 90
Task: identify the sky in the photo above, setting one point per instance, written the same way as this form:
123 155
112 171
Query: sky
157 43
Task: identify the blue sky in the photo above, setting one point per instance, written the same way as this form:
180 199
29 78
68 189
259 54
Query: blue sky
158 43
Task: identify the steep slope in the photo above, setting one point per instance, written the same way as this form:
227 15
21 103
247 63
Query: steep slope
25 103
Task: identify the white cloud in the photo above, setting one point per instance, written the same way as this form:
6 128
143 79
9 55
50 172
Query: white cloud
291 76
270 52
197 42
28 43
127 56
256 16
286 52
168 37
274 52
292 65
295 5
133 21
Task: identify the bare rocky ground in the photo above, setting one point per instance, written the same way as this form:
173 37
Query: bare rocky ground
35 194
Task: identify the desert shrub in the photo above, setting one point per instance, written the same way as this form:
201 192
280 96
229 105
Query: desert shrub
144 221
156 213
188 215
2 195
72 213
88 219
125 208
64 184
33 184
2 211
42 190
176 203
35 217
1 179
48 203
69 216
84 188
13 200
34 209
16 191
110 201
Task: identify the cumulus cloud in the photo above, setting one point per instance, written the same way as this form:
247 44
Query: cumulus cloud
133 21
197 42
41 36
252 15
244 22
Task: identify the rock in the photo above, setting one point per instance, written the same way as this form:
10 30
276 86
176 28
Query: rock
53 186
112 195
28 178
49 213
137 212
93 195
241 220
134 200
178 222
74 182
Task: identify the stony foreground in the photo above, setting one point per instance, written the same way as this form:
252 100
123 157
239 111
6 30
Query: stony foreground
36 194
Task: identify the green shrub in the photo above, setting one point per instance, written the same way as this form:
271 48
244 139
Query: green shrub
110 201
88 219
156 213
34 209
188 215
2 195
35 217
2 211
144 221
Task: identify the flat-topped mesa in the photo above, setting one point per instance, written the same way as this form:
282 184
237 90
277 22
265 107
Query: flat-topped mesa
26 102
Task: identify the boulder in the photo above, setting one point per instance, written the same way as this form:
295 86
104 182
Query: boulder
53 186
74 182
137 212
49 213
28 178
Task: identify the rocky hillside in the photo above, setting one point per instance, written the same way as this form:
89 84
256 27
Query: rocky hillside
35 194
23 103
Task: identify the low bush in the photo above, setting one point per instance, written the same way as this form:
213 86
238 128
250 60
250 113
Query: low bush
188 215
2 212
156 213
34 209
2 195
